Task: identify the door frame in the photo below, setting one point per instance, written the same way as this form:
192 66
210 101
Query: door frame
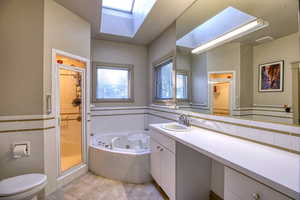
296 91
232 82
83 115
68 175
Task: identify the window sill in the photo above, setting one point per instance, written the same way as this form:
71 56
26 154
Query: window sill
166 102
182 100
113 101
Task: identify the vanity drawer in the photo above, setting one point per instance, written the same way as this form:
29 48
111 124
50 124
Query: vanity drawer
163 140
240 187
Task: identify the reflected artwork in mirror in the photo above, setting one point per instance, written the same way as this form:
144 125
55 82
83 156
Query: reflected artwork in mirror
239 59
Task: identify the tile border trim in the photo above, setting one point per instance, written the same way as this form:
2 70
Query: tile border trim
238 137
109 115
196 117
27 130
232 123
27 120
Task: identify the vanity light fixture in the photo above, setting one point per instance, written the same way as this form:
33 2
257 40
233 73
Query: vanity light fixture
229 36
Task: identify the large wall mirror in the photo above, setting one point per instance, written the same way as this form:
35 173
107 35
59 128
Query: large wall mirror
238 58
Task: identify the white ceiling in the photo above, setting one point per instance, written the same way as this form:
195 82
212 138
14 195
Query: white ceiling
162 15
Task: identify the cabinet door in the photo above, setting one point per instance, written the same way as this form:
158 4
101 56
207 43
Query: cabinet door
172 178
168 172
230 196
245 188
155 161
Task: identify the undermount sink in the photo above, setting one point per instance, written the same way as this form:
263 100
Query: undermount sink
175 127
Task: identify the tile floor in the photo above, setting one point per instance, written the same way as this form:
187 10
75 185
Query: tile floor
92 187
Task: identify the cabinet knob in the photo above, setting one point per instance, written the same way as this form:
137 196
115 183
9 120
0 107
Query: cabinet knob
255 196
158 147
161 149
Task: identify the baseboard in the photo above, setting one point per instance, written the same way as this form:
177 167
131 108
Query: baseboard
161 191
214 196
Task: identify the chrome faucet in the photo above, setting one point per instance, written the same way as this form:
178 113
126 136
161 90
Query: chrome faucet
184 120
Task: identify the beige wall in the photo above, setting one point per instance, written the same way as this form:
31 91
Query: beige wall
14 167
224 58
21 55
21 82
183 60
160 47
33 26
246 76
199 79
244 60
285 48
63 30
123 53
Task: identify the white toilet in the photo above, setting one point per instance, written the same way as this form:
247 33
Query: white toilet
24 187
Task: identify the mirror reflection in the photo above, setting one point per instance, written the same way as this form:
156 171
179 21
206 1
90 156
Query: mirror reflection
239 59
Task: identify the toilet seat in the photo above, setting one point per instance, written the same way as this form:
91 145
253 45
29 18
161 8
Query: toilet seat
22 187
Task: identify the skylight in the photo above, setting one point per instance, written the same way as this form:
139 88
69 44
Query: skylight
119 5
124 17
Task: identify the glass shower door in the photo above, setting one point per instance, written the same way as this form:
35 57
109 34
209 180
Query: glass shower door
71 111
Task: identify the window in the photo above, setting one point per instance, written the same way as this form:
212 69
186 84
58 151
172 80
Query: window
113 82
119 5
182 85
164 81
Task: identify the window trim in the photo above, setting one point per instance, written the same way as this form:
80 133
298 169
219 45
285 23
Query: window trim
170 57
104 65
188 74
120 10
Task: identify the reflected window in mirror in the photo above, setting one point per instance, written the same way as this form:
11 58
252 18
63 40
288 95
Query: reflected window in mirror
164 81
182 81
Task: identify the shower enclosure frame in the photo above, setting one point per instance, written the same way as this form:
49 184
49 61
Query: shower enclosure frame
83 126
68 175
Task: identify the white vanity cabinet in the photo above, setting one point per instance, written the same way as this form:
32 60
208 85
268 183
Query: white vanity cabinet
155 164
180 171
240 187
163 162
187 171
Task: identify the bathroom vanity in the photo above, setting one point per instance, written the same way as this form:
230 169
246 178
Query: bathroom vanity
173 166
181 165
163 162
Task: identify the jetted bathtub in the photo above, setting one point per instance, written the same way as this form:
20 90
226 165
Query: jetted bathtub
121 156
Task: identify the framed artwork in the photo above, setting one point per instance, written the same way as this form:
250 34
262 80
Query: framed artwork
271 77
